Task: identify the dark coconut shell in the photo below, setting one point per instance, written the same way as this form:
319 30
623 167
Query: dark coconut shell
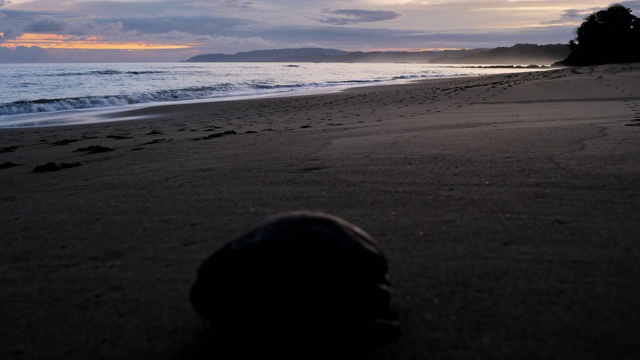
306 277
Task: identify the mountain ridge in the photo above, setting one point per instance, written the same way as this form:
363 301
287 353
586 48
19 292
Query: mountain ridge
517 54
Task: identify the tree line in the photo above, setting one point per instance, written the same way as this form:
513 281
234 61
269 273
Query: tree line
605 37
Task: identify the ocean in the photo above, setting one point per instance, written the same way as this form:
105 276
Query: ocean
55 94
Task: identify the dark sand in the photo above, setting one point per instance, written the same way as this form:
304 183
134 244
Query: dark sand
508 207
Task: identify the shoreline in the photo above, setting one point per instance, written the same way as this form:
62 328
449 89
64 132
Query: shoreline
105 114
508 207
167 110
101 115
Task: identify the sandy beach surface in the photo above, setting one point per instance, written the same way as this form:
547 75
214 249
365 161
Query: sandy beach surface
508 207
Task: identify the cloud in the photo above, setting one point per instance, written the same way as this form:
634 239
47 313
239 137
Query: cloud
199 33
14 22
49 25
9 34
46 25
195 24
576 16
24 54
570 16
633 5
206 42
242 4
353 16
107 29
2 15
573 15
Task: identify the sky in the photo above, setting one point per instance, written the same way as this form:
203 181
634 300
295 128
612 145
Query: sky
163 30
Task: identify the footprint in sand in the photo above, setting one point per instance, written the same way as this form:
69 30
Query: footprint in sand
308 169
8 165
217 135
51 167
8 149
158 141
63 142
94 149
118 137
635 123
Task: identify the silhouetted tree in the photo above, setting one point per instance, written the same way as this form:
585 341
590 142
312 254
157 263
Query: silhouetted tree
607 36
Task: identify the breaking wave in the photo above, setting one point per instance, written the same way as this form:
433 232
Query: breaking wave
89 102
186 94
108 72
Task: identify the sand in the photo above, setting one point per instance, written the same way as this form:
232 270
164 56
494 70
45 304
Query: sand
508 208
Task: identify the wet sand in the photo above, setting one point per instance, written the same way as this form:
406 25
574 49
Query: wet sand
508 208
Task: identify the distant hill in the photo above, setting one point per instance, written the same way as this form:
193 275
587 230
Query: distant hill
280 55
518 54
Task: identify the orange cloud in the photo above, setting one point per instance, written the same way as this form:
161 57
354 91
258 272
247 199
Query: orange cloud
69 42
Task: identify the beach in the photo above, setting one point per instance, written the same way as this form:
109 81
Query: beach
508 207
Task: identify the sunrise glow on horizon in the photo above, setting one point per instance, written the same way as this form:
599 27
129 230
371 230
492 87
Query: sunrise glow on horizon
70 42
173 31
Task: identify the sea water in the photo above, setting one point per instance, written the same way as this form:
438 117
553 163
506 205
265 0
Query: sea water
51 94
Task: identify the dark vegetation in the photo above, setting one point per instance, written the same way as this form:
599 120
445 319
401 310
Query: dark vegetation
606 37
